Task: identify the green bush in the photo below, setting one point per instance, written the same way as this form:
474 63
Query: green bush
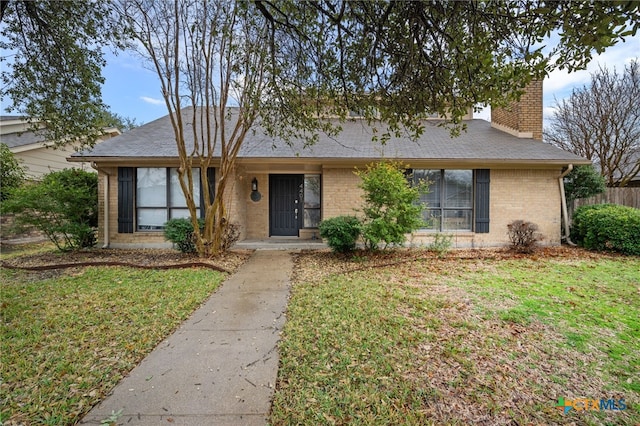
607 227
64 206
11 172
392 206
180 232
583 182
341 232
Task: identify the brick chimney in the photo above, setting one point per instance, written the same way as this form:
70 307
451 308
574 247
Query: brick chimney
523 118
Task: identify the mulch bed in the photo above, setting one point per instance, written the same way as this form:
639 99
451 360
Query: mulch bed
143 258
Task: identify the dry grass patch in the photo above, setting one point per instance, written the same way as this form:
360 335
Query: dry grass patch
481 337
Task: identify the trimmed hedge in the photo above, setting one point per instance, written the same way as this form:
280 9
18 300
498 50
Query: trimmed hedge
341 232
607 227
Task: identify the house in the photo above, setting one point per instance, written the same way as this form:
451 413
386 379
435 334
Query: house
490 175
36 154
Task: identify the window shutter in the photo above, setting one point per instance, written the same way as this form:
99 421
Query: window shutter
482 201
125 199
211 177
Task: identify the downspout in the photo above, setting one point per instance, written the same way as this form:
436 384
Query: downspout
105 204
563 199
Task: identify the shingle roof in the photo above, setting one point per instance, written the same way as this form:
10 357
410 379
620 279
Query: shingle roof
480 142
14 140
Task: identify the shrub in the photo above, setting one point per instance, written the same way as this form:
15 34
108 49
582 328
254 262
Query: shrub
341 232
523 236
180 232
11 172
64 207
441 244
392 206
583 182
607 227
230 236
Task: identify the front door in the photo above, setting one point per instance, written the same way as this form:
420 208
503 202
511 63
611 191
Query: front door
285 204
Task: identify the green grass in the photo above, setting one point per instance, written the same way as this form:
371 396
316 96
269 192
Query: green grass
593 304
460 342
68 337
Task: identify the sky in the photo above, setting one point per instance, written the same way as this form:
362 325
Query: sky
134 91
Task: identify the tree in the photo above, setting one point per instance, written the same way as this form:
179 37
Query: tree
391 207
396 61
11 172
601 122
583 182
391 60
64 206
52 64
120 122
401 61
208 56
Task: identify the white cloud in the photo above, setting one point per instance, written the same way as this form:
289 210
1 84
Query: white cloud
560 81
152 101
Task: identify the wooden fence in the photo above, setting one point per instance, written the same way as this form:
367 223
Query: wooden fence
624 196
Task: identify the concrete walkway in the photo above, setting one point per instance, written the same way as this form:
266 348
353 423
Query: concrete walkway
220 366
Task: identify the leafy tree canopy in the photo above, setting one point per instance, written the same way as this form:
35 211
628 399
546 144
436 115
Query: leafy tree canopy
52 54
403 60
398 61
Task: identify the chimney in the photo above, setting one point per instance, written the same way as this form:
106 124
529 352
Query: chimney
524 117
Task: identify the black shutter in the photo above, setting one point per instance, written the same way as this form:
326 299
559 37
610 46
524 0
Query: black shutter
126 178
482 201
211 177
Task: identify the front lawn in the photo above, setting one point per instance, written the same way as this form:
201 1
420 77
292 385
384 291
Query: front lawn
69 335
475 338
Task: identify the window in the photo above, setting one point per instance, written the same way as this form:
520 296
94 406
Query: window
159 196
449 202
311 201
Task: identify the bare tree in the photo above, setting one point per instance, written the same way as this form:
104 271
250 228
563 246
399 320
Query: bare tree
601 122
208 56
218 82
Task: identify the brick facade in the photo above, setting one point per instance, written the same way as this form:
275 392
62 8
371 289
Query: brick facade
522 118
340 192
529 194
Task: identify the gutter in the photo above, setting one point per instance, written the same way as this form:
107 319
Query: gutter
105 222
563 199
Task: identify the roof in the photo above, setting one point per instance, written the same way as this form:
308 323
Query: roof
14 140
479 142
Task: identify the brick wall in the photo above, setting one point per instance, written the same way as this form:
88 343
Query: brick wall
531 195
522 118
340 192
257 212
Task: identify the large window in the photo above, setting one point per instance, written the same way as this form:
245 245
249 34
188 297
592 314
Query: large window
311 201
449 202
159 197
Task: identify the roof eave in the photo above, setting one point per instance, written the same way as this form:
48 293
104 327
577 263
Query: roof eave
347 162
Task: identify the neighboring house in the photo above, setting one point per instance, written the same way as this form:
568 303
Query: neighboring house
492 174
37 155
